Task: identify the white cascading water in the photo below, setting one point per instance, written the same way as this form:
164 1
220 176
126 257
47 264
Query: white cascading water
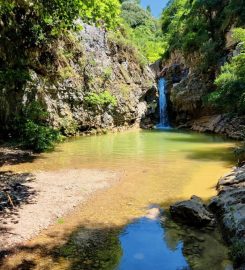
163 123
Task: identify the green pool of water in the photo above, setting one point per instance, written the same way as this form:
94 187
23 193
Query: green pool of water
156 167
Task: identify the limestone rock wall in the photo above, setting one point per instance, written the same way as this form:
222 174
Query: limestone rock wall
229 206
231 126
187 90
99 63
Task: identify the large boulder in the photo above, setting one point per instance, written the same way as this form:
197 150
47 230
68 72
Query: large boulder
192 212
229 205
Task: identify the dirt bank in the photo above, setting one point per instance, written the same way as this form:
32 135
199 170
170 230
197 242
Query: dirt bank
32 202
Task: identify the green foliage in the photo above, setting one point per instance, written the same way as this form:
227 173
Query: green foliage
230 93
107 73
143 30
35 112
69 126
103 99
125 43
28 30
240 152
136 16
67 72
101 12
199 26
38 137
18 76
33 130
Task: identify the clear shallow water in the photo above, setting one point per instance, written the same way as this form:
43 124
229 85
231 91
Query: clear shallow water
144 248
155 167
161 244
163 165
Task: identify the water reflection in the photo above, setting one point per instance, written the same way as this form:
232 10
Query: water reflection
144 248
162 244
203 249
154 167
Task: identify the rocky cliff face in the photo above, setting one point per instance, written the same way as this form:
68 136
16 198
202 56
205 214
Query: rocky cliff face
229 206
90 62
187 87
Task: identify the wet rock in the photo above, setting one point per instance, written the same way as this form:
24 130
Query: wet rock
231 126
186 88
229 205
192 212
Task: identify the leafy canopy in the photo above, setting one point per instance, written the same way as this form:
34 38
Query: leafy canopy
230 93
200 25
143 29
100 12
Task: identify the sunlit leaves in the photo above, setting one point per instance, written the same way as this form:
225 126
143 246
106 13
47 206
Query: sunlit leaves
143 29
104 13
230 93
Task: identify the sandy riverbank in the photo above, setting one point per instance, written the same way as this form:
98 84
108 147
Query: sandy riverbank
53 195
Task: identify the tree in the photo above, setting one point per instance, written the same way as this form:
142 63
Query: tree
106 12
148 9
230 93
146 31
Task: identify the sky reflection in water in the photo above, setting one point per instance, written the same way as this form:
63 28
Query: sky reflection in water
144 248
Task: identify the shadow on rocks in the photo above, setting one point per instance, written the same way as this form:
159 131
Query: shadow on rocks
14 192
10 156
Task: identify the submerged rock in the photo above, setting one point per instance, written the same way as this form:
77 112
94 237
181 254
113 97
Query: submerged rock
192 212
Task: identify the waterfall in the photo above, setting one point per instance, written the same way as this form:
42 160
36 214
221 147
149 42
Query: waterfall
163 123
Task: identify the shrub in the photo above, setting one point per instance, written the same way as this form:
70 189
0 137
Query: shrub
38 137
240 154
200 26
69 126
107 73
32 130
104 13
103 99
230 93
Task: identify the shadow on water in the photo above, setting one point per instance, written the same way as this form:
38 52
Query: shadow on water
92 246
194 137
202 248
198 139
85 248
143 244
15 157
215 154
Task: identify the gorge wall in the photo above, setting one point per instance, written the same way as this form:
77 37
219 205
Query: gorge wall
99 82
187 90
203 63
